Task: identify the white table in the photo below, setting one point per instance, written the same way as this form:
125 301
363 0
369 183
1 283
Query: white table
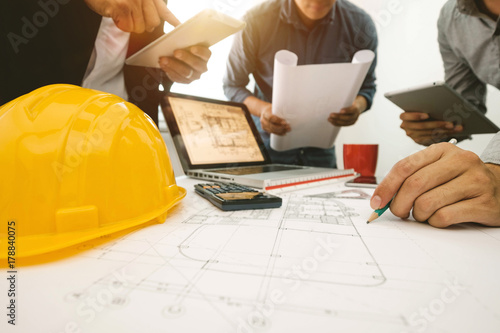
313 265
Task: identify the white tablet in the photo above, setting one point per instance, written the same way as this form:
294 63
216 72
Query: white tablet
443 103
205 28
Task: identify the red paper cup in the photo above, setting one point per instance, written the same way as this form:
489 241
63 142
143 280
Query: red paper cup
361 158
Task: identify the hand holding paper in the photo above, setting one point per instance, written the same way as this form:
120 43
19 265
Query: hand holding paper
305 96
272 123
348 116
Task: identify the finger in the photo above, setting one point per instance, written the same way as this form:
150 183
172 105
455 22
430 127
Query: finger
433 176
423 125
344 116
438 132
275 124
437 198
169 64
138 19
166 14
151 17
471 210
175 77
404 169
413 116
273 128
191 60
177 71
428 138
274 119
348 111
343 123
201 52
122 16
279 129
268 115
345 119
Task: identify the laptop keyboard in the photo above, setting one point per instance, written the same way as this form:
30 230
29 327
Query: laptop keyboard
256 169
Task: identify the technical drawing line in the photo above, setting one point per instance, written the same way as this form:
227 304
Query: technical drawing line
264 287
194 287
371 255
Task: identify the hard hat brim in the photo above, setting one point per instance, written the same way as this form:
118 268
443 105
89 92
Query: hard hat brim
30 246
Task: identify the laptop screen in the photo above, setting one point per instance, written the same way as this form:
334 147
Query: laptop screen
211 133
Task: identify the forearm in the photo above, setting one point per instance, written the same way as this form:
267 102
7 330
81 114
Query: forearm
235 93
361 103
369 86
255 105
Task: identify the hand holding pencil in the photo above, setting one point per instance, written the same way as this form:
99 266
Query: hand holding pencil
443 185
378 212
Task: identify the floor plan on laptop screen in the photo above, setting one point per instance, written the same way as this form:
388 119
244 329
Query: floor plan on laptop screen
215 133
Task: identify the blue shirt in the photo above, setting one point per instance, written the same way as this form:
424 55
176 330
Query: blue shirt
275 25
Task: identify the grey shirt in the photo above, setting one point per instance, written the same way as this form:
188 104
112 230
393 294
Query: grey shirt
492 152
470 46
275 25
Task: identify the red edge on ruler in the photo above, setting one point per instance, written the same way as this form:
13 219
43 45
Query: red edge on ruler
307 182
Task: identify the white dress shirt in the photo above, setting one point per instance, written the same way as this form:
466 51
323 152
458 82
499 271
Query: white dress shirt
105 68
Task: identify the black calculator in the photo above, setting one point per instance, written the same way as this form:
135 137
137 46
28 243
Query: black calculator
236 197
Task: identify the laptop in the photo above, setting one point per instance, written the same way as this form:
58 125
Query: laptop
218 141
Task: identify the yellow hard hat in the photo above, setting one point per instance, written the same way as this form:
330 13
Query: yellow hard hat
77 164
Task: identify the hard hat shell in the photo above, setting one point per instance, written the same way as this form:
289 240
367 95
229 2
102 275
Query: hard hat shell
77 164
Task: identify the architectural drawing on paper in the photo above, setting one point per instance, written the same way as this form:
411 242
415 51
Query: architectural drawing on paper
254 252
315 252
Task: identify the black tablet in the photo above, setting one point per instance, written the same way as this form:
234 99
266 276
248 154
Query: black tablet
443 103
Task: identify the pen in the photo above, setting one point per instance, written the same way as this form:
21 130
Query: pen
377 213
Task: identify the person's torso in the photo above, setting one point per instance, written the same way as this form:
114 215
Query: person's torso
475 40
335 39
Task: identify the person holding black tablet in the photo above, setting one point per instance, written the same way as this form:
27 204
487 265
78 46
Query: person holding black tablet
443 184
469 36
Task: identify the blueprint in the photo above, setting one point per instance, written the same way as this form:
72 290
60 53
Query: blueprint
215 133
313 265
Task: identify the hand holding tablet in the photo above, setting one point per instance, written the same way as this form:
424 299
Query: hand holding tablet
204 29
435 112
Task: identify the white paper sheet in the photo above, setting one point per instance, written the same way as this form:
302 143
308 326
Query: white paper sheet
306 95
